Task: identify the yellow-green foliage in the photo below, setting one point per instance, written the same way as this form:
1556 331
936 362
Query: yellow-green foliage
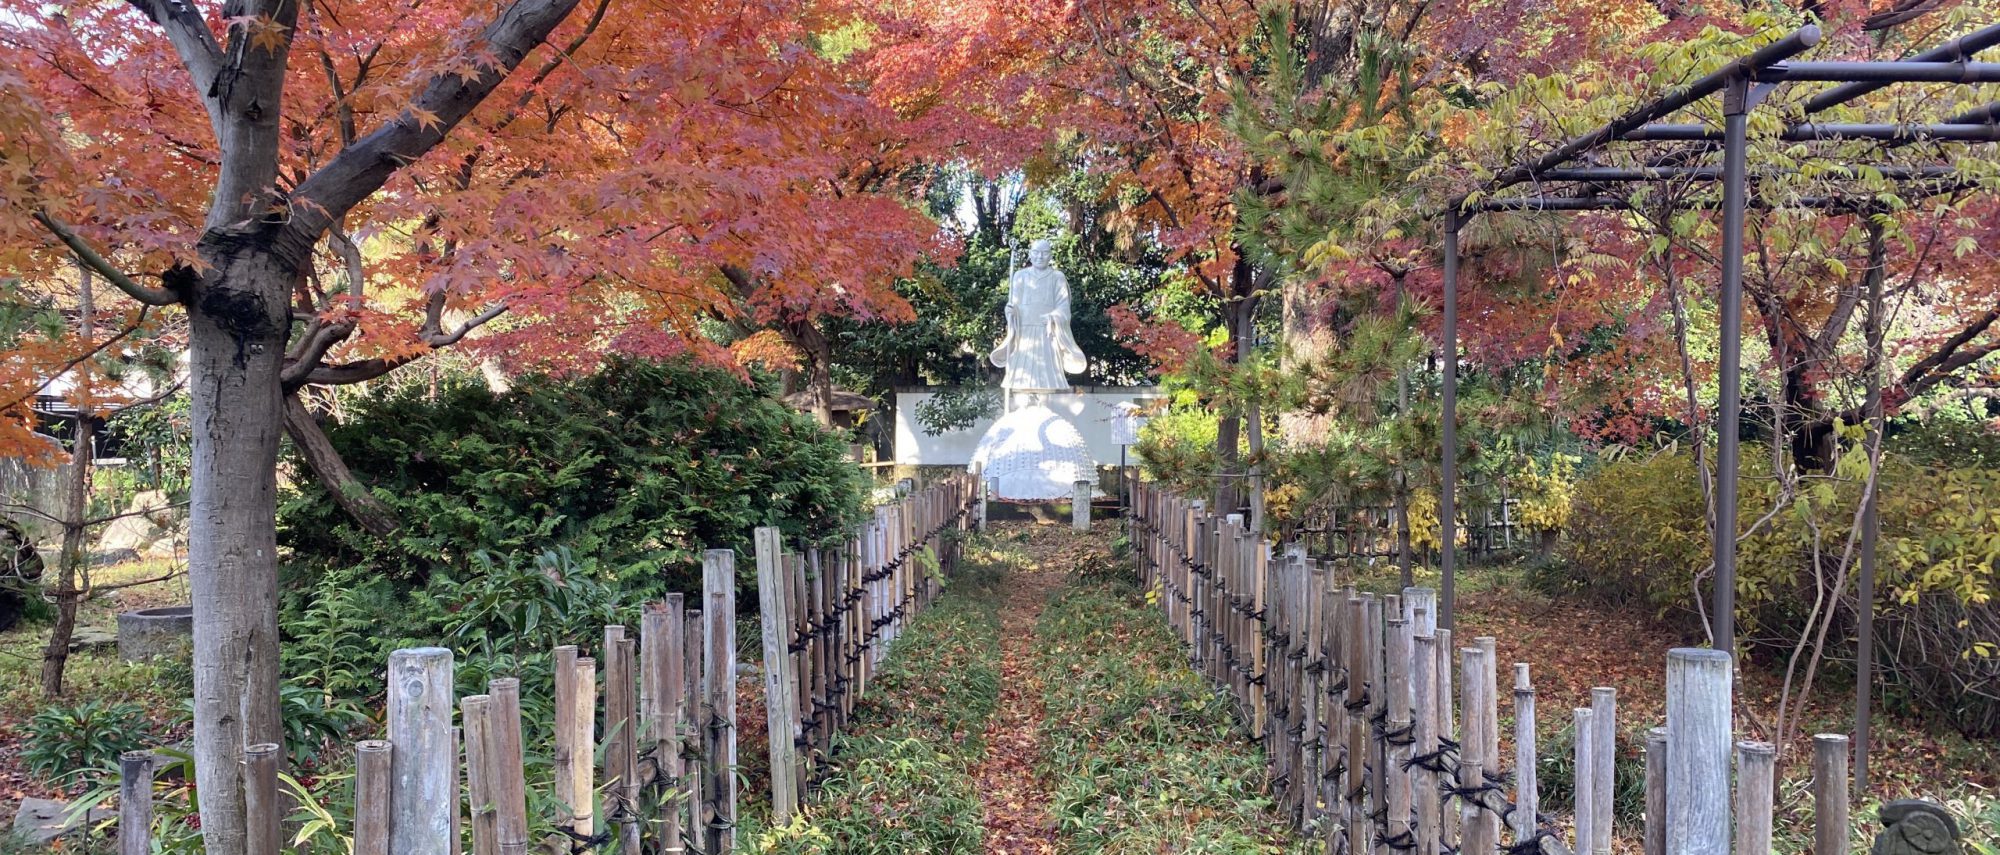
1424 533
1546 492
1638 532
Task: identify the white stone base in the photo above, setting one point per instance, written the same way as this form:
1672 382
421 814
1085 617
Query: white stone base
1034 454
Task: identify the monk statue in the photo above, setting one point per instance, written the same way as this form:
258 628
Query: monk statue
1038 351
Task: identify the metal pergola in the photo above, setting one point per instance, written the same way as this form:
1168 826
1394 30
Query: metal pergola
1743 85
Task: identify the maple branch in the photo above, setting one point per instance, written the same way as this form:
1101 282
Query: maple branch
87 254
362 168
364 370
196 46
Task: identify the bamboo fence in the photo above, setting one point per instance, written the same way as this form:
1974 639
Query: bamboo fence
644 761
1371 750
829 617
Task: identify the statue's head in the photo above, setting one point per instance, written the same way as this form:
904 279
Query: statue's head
1040 253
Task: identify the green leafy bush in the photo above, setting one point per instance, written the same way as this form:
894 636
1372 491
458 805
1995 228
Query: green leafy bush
74 743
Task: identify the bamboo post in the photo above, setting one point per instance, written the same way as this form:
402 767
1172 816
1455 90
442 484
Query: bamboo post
1260 554
1830 822
652 688
1311 756
1424 710
583 767
1479 826
1604 754
1355 648
1527 799
673 703
508 758
564 756
135 803
1079 506
1656 792
695 650
481 769
1489 648
1698 748
780 706
371 798
1448 818
263 811
1756 771
620 759
459 789
1372 648
1399 799
423 760
1583 777
719 699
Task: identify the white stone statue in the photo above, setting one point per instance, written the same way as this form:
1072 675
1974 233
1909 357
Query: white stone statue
1039 351
1033 453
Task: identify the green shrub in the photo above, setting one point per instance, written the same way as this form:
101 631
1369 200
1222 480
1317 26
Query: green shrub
75 743
530 518
639 467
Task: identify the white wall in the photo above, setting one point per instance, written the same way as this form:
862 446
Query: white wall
1090 408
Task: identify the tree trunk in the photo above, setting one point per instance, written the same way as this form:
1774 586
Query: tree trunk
238 318
348 492
75 551
76 506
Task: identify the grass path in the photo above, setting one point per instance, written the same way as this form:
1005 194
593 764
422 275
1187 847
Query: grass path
1016 799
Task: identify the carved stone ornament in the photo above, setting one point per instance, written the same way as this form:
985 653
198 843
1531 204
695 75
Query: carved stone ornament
1916 827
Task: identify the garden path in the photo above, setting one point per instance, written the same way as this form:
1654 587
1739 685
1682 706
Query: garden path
1015 794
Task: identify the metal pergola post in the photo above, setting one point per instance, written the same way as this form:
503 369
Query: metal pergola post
1729 373
1448 490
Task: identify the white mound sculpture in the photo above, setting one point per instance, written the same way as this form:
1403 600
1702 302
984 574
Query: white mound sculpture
1033 453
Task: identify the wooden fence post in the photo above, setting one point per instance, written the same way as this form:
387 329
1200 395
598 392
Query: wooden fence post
372 797
563 757
423 759
1756 784
1656 791
1604 735
1699 695
1583 779
1527 799
718 584
1830 768
262 806
135 803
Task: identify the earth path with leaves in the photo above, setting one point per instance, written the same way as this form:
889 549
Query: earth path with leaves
1015 796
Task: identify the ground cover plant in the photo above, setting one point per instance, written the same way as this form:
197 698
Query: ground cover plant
901 777
1142 755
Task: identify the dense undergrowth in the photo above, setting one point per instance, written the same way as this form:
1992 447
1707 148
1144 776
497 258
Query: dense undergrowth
901 781
1142 755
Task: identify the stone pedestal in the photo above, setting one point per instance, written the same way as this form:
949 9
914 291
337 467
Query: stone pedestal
1034 454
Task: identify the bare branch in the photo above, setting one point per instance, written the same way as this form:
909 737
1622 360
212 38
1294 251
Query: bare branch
147 294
